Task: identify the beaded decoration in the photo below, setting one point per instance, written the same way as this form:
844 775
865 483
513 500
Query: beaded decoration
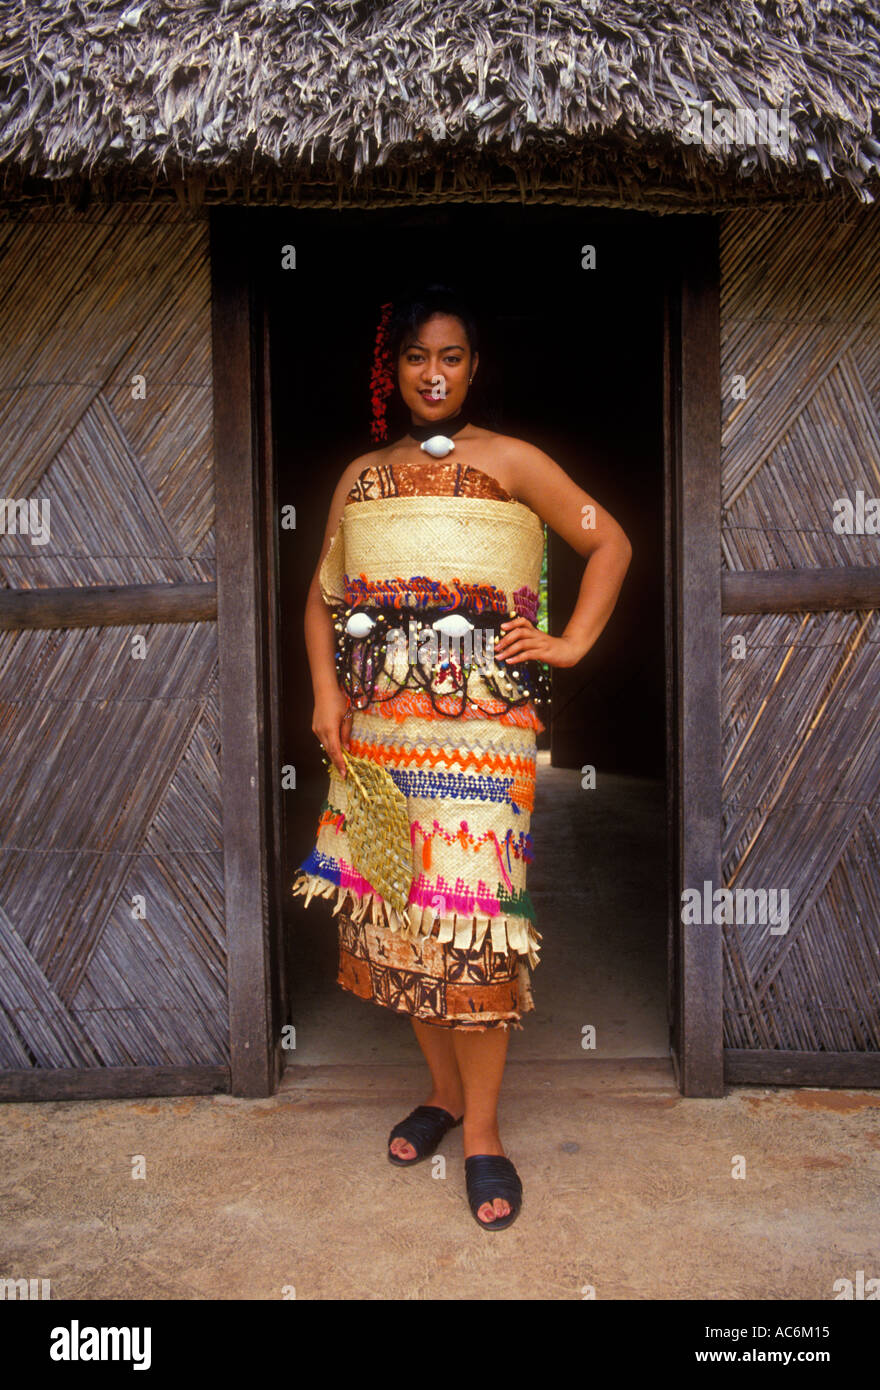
422 783
363 669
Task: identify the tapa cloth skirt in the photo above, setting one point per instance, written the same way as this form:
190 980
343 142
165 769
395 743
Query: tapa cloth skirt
461 959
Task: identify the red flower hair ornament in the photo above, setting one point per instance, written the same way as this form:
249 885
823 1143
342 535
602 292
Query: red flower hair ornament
381 377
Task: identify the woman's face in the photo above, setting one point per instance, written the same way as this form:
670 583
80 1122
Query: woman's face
434 367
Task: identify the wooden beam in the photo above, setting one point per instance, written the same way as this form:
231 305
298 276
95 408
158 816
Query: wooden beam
279 944
116 1083
253 1029
111 605
671 483
845 587
768 1067
693 433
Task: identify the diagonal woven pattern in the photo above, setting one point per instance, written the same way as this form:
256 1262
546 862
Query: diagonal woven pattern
378 830
801 778
112 941
105 396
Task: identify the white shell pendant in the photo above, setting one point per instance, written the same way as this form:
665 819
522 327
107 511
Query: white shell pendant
359 624
438 446
454 624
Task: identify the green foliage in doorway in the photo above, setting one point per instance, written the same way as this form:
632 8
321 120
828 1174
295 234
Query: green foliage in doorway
541 621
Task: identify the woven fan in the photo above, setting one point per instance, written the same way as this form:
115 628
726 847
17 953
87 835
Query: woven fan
378 830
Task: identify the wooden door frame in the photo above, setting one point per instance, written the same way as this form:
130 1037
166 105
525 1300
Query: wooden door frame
692 545
247 610
247 624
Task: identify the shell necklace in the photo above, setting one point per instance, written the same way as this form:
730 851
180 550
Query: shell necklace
435 443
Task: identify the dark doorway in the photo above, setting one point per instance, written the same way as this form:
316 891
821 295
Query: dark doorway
572 362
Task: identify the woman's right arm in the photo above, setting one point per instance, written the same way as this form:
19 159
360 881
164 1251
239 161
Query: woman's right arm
331 701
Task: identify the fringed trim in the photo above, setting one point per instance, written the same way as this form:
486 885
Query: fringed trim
462 932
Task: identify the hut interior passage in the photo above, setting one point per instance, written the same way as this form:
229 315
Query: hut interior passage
571 337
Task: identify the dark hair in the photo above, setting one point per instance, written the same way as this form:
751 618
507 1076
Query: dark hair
413 310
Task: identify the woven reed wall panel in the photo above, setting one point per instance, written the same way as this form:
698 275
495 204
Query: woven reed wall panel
87 304
111 763
801 777
112 791
800 314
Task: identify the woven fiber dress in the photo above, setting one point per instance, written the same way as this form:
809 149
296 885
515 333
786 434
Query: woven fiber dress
438 537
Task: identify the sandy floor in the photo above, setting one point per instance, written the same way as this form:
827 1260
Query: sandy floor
628 1189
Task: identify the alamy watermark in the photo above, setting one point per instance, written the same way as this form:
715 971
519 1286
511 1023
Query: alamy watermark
25 516
76 1343
25 1289
736 907
861 1288
856 517
436 649
710 125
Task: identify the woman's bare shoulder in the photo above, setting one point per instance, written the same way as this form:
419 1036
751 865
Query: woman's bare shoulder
521 460
507 446
511 460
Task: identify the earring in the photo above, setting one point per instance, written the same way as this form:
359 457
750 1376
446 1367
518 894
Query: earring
470 380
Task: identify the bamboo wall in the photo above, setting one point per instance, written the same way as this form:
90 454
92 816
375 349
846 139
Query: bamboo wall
112 949
801 803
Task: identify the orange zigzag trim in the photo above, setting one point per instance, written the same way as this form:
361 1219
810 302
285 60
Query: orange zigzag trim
493 762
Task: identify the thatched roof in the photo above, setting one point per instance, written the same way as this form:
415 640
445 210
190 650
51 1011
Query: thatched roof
443 99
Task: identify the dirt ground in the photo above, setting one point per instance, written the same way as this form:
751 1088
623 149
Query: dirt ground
629 1192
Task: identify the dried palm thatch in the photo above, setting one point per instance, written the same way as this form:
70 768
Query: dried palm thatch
356 102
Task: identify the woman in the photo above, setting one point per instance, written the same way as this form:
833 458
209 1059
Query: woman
445 521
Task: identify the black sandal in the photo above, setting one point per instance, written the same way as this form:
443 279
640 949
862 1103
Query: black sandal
424 1127
489 1176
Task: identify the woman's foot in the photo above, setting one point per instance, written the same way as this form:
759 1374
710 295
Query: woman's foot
453 1105
491 1179
483 1140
